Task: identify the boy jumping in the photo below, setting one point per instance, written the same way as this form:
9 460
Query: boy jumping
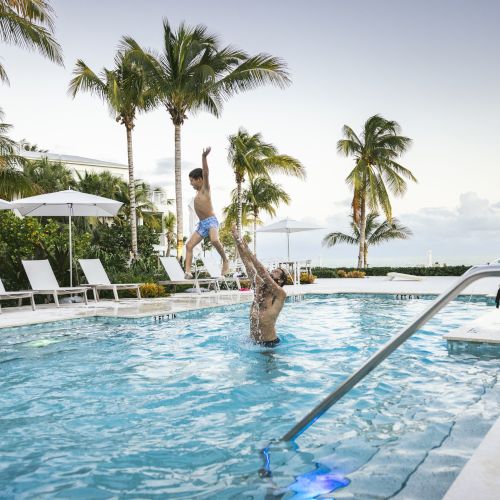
208 225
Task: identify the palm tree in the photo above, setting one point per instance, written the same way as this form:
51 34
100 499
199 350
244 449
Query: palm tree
169 224
13 181
111 186
145 208
49 176
262 195
250 156
193 73
376 173
124 89
30 24
376 233
101 184
25 145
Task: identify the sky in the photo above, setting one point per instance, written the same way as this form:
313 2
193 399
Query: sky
432 66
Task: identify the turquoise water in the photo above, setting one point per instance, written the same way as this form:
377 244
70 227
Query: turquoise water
182 408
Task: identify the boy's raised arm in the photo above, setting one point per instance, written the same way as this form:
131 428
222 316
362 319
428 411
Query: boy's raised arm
204 164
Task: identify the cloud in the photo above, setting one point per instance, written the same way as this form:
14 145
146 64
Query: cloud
163 172
468 233
473 217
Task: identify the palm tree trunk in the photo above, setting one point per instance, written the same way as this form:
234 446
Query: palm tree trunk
255 234
178 191
362 231
365 256
131 190
240 206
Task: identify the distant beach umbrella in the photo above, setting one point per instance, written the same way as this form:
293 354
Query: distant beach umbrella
288 226
67 203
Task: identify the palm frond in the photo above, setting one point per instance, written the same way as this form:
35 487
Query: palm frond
18 26
336 238
85 80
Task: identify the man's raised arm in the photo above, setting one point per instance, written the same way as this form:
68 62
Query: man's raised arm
204 164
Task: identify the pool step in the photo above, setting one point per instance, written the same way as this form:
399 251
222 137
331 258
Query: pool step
485 329
406 471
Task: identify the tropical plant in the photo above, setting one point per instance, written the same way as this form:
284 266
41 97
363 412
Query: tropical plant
376 232
13 182
30 24
227 239
169 225
145 208
194 72
49 176
376 172
111 186
101 184
25 145
124 89
36 238
261 195
111 244
250 156
152 290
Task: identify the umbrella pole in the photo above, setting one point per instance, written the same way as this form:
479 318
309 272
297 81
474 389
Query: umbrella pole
70 249
288 245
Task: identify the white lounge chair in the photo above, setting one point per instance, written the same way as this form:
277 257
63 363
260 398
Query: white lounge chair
176 275
4 295
213 268
403 277
97 279
44 282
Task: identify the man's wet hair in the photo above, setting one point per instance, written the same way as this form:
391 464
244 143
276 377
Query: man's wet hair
283 278
196 173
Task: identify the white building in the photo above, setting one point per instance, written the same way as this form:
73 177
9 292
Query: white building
81 165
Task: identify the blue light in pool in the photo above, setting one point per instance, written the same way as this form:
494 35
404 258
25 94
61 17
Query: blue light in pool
317 482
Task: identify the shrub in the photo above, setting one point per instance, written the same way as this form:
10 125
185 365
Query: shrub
245 283
324 272
355 274
305 279
329 272
342 273
152 290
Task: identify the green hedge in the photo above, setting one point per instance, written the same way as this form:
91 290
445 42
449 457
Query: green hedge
331 272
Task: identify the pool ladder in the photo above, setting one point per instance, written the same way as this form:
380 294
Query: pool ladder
473 274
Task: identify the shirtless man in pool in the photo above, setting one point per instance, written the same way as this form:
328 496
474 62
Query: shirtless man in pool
208 225
269 295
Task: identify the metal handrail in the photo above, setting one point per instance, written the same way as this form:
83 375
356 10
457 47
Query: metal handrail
466 279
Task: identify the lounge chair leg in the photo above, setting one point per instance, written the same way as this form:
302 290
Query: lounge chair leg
85 297
198 289
139 292
96 294
32 300
19 302
56 299
115 293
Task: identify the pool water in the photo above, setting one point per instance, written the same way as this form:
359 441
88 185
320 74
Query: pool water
103 408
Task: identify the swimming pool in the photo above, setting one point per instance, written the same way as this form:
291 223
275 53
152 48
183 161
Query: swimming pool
100 408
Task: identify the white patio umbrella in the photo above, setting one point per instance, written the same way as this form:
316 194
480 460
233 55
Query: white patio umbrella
70 204
288 226
5 205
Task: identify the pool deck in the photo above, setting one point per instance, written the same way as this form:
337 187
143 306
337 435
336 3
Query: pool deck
23 316
479 478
